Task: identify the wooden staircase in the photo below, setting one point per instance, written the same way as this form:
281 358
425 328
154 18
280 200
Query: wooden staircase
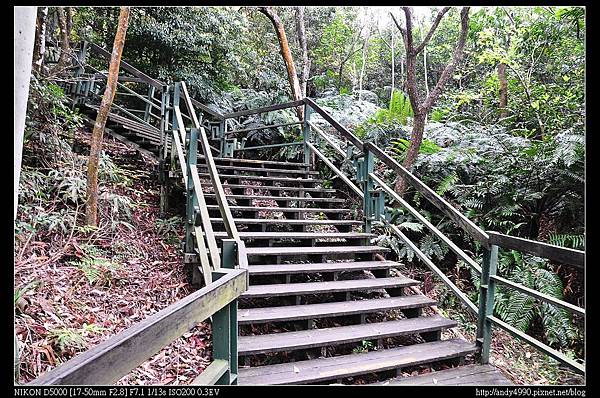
319 292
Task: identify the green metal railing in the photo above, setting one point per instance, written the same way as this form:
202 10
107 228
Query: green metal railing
374 194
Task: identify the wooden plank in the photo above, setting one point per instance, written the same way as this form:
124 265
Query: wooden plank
275 269
264 109
289 221
562 255
343 130
112 359
258 162
326 137
300 235
262 170
292 289
212 373
278 188
288 341
266 178
203 254
250 148
459 252
280 198
295 250
460 219
328 310
337 171
266 126
303 372
462 296
459 376
284 209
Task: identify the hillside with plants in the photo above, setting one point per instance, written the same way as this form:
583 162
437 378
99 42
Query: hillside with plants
489 112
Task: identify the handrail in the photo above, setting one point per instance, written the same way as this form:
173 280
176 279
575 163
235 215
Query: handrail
459 252
322 134
460 219
559 254
112 359
434 268
343 130
263 127
337 171
212 169
263 109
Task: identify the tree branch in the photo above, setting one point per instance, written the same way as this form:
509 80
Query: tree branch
449 69
438 18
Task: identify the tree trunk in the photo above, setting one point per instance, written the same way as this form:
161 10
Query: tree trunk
503 90
64 39
40 39
287 57
421 109
300 28
419 120
91 214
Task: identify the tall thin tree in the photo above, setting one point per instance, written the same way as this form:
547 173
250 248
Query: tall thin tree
287 56
420 106
91 213
301 32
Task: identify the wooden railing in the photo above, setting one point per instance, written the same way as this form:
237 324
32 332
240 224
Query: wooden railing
374 191
116 357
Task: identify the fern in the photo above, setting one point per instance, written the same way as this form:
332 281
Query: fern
573 241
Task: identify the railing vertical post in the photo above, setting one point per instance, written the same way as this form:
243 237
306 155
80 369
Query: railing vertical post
162 154
151 90
306 132
366 169
487 288
191 200
174 123
229 260
224 150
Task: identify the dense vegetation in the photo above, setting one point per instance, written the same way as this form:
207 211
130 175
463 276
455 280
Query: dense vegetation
504 143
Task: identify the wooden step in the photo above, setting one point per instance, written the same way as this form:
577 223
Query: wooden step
276 188
278 198
257 162
468 375
283 209
298 235
277 221
258 169
278 269
312 338
290 180
329 310
311 371
295 250
296 289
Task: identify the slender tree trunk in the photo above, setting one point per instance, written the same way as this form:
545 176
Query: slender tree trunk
287 57
365 54
64 39
40 39
393 70
301 29
91 214
503 90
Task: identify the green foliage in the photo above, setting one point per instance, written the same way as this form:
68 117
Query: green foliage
521 310
98 271
72 339
169 228
365 346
